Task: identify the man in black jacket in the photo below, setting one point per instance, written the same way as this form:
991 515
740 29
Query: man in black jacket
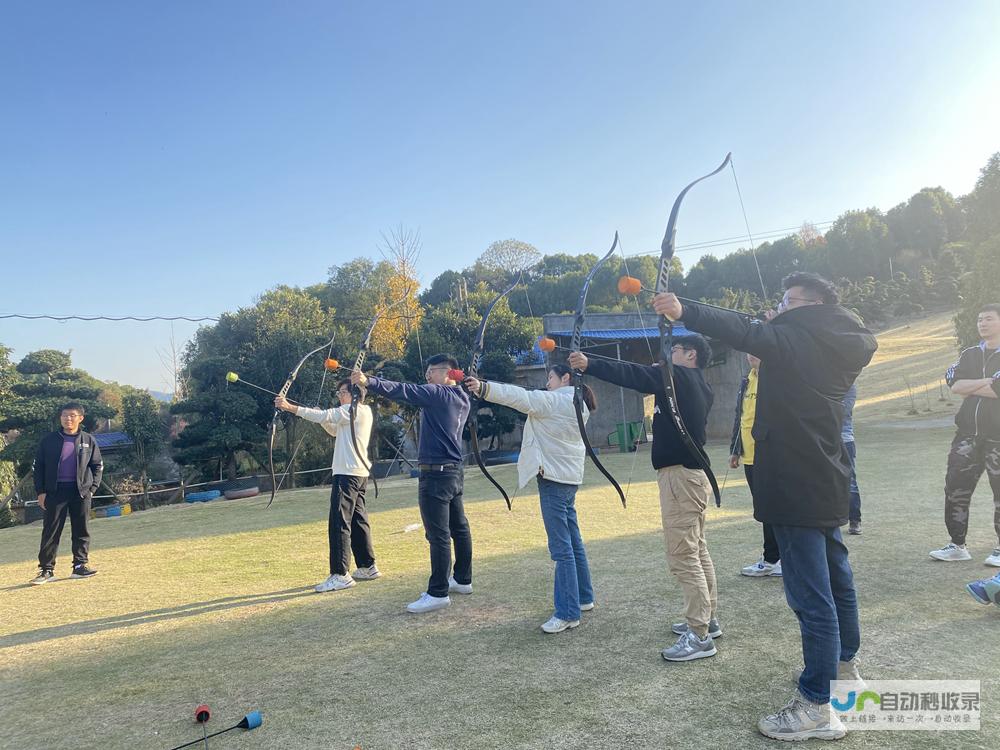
684 487
811 353
68 469
976 447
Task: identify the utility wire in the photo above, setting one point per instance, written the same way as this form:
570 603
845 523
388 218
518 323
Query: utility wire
147 319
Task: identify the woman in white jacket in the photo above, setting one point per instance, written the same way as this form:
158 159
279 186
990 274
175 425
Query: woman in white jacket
552 452
348 526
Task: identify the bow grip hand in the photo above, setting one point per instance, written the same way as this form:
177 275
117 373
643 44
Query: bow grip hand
668 305
578 361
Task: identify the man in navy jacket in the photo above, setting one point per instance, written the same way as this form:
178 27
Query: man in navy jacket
444 407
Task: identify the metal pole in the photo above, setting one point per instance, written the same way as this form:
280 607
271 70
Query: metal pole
621 393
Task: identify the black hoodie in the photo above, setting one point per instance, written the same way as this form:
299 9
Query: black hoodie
694 399
810 356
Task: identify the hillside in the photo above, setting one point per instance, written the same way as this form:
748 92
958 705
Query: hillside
907 374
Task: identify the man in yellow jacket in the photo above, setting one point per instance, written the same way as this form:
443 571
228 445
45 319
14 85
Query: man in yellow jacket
741 448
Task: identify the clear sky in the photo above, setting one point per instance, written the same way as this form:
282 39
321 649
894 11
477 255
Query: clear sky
180 158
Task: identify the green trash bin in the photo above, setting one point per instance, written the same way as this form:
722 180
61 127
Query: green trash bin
622 430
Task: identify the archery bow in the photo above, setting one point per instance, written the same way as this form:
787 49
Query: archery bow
477 356
666 326
574 346
356 391
283 392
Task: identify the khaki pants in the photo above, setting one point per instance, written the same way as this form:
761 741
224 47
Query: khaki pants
684 495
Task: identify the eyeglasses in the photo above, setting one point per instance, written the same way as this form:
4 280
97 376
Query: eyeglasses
786 299
679 348
429 370
342 392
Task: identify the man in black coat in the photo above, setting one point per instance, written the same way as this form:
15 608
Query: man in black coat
811 353
68 469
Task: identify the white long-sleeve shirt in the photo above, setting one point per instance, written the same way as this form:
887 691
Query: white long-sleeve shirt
550 444
337 422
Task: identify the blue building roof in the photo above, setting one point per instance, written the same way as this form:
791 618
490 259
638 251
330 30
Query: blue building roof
625 333
107 440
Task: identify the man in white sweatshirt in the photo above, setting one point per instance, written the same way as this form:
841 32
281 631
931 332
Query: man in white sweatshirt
348 528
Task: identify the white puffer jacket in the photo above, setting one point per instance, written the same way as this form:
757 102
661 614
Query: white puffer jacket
551 444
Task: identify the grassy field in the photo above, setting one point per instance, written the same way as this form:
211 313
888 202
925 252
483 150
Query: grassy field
213 603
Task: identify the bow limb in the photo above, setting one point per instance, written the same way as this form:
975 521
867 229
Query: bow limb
666 326
356 391
581 307
283 392
473 421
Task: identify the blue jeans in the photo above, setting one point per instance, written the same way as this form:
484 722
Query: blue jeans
819 587
854 514
572 584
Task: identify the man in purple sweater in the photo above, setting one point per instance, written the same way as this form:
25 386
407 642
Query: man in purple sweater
443 410
68 469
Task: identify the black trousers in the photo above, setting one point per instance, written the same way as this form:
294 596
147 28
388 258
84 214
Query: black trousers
64 501
443 514
968 458
771 553
348 527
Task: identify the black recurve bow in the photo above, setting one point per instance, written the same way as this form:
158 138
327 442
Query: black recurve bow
666 326
574 346
477 356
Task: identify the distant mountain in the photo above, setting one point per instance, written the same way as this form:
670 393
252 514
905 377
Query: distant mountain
161 396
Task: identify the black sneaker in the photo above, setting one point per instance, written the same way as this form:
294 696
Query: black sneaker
44 576
854 528
82 571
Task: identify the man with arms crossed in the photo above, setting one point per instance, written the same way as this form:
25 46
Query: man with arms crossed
976 447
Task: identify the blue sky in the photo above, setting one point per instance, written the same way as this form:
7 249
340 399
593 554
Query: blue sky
181 158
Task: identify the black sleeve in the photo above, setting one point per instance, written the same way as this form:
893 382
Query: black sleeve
96 466
965 369
768 342
38 468
642 378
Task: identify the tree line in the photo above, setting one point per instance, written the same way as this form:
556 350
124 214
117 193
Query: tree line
934 251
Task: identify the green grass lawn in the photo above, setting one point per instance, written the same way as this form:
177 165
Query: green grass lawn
213 603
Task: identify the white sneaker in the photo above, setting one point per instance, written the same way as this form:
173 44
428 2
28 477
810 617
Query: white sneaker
335 582
994 559
587 607
428 603
762 568
556 625
366 574
803 720
459 588
951 552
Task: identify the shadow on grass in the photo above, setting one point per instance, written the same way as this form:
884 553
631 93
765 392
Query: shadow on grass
293 508
132 619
